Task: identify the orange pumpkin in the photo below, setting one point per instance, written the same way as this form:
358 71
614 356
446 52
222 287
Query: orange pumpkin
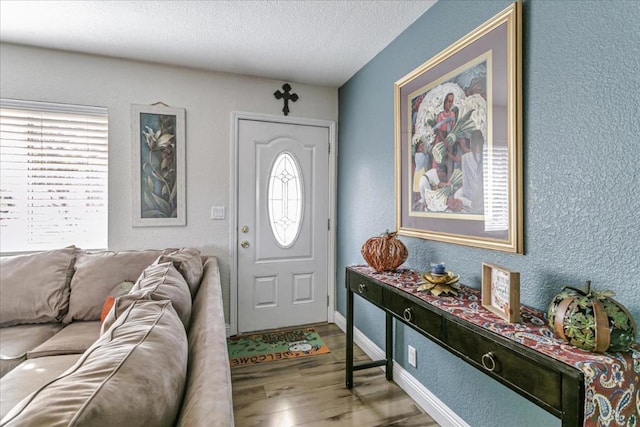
384 253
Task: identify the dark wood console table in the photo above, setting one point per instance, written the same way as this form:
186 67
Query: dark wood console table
554 385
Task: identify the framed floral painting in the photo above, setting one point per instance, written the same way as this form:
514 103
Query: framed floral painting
458 133
158 136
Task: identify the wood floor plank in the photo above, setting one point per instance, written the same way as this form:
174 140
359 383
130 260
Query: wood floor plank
310 392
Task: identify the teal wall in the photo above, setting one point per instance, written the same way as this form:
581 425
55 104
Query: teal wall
581 85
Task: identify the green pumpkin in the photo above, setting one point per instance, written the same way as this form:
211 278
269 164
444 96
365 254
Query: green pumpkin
591 320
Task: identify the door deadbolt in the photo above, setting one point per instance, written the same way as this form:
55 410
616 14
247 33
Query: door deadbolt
244 244
244 229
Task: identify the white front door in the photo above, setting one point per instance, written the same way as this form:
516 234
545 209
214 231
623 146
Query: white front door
282 220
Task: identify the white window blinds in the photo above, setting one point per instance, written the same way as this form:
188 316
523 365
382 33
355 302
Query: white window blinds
496 187
53 176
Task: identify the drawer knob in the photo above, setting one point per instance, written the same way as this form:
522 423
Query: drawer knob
361 288
407 314
488 361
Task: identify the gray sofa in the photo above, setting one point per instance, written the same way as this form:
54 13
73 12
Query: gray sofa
113 338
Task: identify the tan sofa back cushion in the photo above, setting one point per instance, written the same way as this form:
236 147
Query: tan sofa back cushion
134 375
35 288
157 282
188 262
120 307
98 275
162 281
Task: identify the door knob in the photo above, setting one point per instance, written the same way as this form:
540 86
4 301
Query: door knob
244 244
244 229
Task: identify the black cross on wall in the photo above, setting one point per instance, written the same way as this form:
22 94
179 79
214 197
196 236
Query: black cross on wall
286 96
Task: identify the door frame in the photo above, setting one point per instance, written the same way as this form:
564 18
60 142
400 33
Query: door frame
236 116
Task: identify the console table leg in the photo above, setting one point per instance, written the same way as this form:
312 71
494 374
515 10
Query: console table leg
349 355
389 346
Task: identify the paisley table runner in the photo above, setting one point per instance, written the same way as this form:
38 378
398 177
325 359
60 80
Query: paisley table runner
612 394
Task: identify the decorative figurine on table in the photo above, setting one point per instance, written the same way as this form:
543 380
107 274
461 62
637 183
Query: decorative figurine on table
439 281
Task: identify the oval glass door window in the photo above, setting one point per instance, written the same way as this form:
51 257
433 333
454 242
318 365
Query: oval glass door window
285 199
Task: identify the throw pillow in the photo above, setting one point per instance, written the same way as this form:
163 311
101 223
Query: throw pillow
122 289
108 303
99 274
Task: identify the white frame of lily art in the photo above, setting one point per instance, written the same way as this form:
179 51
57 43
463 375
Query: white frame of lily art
158 165
458 137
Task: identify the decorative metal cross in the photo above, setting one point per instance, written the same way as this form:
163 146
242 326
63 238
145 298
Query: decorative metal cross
286 96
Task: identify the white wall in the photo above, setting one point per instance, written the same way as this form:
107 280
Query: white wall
209 98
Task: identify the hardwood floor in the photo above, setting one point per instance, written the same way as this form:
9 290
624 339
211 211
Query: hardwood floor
310 392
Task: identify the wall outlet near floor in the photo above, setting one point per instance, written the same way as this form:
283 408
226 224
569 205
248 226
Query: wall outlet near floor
412 355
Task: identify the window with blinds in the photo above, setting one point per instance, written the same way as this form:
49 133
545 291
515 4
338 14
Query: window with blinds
496 186
53 176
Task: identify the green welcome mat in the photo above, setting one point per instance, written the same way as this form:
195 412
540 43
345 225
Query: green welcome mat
274 345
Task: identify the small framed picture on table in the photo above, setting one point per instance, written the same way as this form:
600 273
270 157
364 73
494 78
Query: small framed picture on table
501 292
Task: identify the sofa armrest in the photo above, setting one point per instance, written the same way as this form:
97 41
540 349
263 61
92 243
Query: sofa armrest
208 399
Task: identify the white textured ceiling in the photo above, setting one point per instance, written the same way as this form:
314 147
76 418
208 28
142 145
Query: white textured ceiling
313 42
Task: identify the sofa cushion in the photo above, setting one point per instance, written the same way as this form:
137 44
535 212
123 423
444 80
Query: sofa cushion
188 262
120 306
30 376
100 274
157 282
16 341
75 338
208 398
162 281
8 365
133 375
35 287
123 289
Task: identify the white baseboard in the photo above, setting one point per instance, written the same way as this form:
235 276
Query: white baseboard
418 392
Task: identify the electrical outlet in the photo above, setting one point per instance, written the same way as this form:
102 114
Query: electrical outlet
412 356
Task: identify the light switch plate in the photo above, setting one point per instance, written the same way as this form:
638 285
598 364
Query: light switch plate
217 212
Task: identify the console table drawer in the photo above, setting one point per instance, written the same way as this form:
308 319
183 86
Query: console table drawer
366 289
539 382
414 314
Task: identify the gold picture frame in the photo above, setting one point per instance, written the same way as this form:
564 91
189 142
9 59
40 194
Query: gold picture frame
501 292
458 138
